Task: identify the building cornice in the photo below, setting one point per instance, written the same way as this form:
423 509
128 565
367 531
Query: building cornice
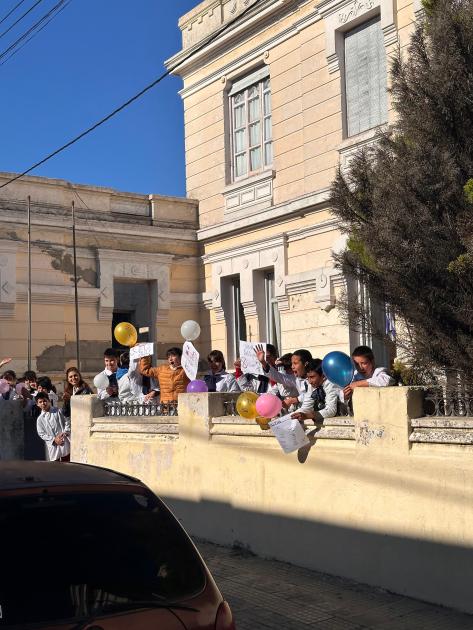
245 250
314 202
107 225
258 52
185 62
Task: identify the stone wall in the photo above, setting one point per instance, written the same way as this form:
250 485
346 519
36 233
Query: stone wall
365 501
11 430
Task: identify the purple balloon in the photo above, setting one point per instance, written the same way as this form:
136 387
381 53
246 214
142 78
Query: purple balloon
197 387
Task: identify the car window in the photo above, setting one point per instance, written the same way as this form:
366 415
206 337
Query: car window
69 555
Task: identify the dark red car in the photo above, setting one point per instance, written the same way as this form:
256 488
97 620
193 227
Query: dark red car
83 547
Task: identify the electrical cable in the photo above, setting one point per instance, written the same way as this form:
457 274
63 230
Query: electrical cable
50 14
131 100
12 11
35 33
20 18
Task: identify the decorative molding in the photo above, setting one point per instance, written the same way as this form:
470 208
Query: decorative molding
250 308
48 294
350 147
303 282
122 265
311 203
419 11
244 250
312 230
249 195
343 15
8 286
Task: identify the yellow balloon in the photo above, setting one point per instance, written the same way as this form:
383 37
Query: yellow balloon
246 405
263 423
125 334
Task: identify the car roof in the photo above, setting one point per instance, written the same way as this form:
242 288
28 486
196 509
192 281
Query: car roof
27 474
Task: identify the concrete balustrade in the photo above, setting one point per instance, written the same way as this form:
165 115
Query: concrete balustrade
360 503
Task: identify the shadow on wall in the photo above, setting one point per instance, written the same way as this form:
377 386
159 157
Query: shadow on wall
412 567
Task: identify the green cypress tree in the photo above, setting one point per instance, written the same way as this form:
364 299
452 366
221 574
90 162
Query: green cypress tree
407 202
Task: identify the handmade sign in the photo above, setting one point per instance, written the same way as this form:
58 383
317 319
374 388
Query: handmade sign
289 433
141 350
190 360
249 361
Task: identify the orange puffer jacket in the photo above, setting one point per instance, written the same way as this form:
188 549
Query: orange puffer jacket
171 382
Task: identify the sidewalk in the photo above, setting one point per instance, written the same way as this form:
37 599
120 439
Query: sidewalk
269 594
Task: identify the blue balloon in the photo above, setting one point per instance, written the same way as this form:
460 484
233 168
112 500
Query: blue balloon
338 368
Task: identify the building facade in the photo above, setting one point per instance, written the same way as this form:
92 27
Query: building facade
274 102
138 260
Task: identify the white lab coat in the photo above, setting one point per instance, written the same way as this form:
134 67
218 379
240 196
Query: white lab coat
50 424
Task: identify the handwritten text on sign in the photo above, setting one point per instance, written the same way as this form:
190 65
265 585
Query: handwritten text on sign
190 360
249 362
141 350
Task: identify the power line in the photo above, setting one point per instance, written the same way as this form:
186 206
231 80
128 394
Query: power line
20 18
36 33
47 16
12 11
131 100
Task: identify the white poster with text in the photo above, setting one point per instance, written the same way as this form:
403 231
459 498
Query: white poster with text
141 350
190 360
249 362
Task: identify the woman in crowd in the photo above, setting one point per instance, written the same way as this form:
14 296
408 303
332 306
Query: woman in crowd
75 385
218 379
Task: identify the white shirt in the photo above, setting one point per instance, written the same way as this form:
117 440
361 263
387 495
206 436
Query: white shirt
225 382
130 386
102 393
50 424
293 386
379 378
332 393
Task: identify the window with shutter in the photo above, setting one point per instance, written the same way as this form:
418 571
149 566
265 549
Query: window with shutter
365 77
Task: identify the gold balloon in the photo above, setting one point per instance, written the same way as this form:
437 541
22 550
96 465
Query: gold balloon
125 334
263 423
246 405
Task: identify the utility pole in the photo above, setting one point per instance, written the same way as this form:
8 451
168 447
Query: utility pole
76 297
29 282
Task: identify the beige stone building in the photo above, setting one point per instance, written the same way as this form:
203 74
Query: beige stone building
274 101
137 260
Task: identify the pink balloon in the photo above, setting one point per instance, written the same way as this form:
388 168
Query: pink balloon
268 405
4 386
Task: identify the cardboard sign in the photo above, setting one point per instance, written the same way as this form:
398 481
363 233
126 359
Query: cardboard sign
249 362
190 360
289 433
141 350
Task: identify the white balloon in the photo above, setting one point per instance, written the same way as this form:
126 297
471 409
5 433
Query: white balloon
190 330
101 381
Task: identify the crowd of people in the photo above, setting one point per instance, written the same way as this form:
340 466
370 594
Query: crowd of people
296 378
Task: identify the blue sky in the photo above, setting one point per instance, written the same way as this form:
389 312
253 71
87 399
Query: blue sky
93 56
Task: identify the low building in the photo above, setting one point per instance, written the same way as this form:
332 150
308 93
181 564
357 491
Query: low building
137 260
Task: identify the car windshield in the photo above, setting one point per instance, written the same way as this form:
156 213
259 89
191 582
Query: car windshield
71 555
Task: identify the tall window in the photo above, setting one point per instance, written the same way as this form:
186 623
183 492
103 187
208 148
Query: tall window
250 107
365 77
273 322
